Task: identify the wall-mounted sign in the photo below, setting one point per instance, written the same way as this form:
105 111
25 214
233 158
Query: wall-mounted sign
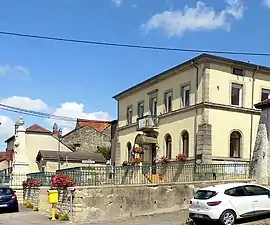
88 161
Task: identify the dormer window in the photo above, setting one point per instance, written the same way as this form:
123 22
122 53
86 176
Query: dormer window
238 71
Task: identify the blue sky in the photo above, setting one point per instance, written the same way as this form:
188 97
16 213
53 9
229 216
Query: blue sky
79 80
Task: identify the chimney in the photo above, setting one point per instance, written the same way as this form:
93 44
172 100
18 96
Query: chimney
55 130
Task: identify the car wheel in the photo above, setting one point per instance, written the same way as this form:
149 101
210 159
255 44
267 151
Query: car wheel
16 210
228 217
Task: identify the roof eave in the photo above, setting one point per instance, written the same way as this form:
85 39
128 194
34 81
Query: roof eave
9 139
159 76
198 59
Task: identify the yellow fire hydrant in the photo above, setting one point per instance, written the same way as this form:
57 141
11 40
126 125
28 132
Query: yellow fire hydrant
53 199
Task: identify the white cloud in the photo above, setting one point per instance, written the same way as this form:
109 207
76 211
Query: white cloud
7 70
6 127
267 3
117 2
75 110
68 109
201 17
26 103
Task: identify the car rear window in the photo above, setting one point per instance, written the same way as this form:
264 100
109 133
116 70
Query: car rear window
204 194
5 191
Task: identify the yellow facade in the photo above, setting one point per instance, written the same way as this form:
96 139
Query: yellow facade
216 79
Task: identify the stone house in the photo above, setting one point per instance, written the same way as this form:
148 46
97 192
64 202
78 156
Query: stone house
88 135
49 160
35 142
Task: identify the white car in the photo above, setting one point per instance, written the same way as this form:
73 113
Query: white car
228 202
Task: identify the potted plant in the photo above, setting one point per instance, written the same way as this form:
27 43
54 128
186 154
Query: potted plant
164 160
137 161
181 157
62 181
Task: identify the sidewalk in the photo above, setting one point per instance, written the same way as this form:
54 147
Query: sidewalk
176 218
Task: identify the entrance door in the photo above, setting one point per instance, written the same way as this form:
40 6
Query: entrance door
154 156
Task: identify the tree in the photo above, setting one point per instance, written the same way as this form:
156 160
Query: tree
105 151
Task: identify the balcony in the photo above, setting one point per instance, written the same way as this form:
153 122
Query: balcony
147 123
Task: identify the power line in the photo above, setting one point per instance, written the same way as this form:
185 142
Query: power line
32 36
36 113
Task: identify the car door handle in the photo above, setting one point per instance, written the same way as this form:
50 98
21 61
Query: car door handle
256 201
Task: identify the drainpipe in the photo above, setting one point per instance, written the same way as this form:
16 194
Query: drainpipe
252 114
196 114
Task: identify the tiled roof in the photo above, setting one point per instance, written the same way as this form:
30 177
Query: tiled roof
71 156
37 128
96 124
2 156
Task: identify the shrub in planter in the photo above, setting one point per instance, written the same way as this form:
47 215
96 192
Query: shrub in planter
28 183
164 160
136 161
62 181
181 157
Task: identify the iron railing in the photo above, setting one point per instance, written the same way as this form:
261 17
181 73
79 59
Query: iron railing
43 177
98 176
12 179
147 122
145 174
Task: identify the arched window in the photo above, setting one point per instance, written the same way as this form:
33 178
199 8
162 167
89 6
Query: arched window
168 142
185 142
235 144
129 148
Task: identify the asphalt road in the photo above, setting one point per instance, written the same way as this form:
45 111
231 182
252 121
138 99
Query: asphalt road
28 217
25 217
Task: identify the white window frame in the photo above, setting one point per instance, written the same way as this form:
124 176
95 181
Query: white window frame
140 105
240 87
184 89
265 91
129 114
152 105
167 95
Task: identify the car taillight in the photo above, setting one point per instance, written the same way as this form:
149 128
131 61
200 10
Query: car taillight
213 203
14 197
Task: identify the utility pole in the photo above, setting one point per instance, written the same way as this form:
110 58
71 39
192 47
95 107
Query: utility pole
59 146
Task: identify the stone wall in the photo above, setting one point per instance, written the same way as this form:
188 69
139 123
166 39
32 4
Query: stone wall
111 202
88 138
31 195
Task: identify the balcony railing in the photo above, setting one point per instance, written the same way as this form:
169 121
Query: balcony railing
147 122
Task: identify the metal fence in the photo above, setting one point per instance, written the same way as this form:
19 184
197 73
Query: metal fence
119 175
43 177
12 179
98 176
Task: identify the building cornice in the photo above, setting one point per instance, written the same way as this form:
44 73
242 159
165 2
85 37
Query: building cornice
208 105
203 58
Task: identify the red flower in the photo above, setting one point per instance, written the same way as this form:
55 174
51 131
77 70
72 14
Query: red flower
137 161
63 181
29 182
164 160
181 157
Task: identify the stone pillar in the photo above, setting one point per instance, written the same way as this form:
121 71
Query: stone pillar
118 154
204 143
44 205
20 159
260 164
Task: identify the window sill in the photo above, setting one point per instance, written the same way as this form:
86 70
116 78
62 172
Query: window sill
239 106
